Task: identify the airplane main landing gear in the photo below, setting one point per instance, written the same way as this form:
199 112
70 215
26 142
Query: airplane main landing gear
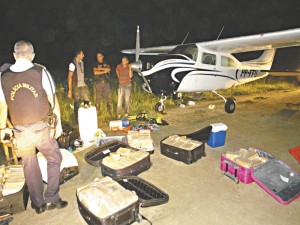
160 107
229 103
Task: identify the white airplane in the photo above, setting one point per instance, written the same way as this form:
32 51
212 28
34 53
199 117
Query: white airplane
209 66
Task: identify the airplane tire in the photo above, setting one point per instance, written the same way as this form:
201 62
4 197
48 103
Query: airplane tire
159 107
230 105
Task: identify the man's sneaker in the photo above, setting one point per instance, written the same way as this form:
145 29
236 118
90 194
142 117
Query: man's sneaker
118 117
59 204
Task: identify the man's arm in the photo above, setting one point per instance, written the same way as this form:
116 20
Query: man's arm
117 72
3 114
101 70
70 76
3 117
130 70
56 111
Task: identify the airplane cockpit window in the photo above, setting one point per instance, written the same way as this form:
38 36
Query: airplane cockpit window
226 61
208 58
190 51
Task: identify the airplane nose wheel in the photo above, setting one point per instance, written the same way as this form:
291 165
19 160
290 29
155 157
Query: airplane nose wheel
230 105
159 107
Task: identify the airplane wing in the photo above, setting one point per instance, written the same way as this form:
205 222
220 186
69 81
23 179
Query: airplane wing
282 73
280 39
151 50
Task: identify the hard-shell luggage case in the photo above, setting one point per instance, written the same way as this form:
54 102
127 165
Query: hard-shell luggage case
278 180
106 202
68 169
95 157
187 156
238 172
149 195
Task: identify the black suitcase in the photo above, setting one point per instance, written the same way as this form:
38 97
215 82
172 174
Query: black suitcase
15 203
95 157
187 156
103 215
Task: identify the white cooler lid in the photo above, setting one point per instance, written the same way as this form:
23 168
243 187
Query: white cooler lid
216 127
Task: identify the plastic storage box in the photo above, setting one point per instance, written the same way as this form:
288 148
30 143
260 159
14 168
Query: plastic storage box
218 135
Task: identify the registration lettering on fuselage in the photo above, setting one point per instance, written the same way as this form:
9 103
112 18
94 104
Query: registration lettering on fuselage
246 73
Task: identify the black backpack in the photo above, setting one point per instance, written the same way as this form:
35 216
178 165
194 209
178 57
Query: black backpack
68 136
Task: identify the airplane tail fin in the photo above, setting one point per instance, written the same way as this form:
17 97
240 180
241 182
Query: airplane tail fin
264 61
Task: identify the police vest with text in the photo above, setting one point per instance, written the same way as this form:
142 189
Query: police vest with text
25 96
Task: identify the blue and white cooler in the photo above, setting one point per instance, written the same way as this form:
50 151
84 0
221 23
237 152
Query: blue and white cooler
218 135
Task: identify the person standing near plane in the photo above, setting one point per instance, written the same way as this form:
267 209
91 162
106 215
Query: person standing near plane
124 74
101 71
27 91
76 84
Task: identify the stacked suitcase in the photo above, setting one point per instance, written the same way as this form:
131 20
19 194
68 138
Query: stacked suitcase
119 192
97 158
169 146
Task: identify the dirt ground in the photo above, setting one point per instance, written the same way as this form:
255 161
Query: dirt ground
199 193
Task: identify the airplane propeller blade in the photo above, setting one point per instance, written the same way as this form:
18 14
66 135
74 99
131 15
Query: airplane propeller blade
137 65
137 44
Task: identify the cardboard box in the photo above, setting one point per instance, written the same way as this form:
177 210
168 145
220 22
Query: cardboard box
115 125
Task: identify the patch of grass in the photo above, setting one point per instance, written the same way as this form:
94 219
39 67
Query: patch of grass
142 101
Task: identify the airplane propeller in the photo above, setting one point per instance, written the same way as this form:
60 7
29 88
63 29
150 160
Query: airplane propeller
137 65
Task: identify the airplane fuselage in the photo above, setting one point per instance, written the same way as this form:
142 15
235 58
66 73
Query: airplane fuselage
194 69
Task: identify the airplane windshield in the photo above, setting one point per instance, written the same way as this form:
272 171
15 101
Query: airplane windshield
190 51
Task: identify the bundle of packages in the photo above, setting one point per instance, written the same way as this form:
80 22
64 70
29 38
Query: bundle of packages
12 179
140 140
182 142
104 197
123 157
247 158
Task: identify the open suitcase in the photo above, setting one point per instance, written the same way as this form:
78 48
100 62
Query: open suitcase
278 180
149 195
103 195
104 202
98 156
274 176
180 153
240 173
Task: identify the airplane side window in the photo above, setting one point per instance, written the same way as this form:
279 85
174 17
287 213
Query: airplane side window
226 61
209 59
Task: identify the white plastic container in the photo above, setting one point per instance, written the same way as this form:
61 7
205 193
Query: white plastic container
88 123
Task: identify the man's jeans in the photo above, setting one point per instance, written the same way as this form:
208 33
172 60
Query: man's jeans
123 93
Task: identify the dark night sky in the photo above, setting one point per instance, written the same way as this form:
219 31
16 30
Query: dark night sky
58 28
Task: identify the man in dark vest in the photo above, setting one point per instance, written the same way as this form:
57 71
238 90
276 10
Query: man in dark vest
76 84
27 91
